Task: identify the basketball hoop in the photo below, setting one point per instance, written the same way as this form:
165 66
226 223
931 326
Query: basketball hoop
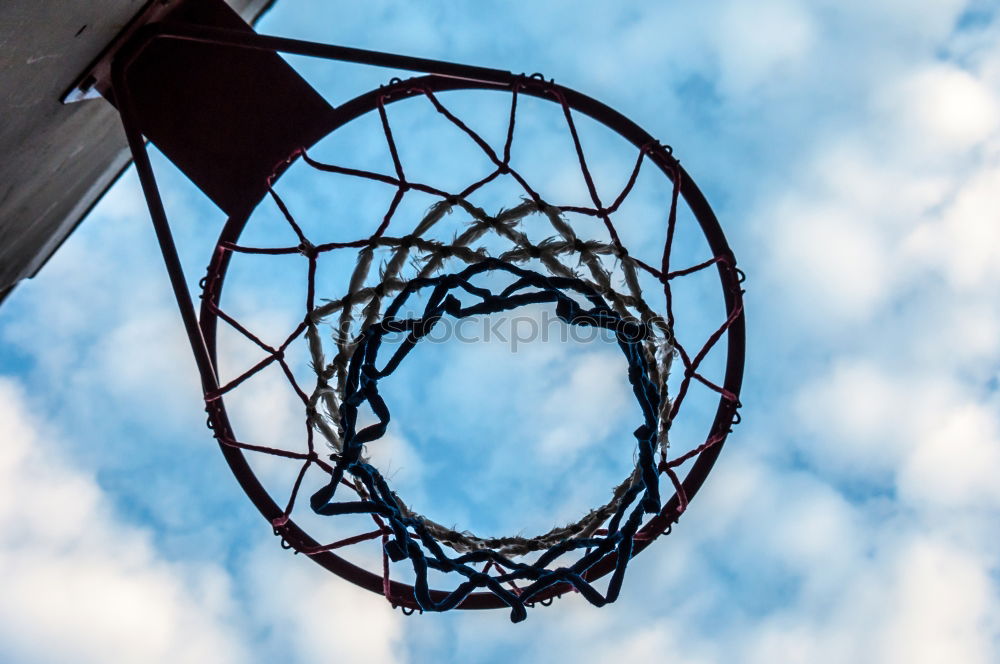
586 280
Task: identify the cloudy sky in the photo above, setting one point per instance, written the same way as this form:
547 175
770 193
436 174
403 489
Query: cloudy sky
852 153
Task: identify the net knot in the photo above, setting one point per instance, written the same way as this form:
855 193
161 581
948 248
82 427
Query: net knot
308 249
492 222
654 146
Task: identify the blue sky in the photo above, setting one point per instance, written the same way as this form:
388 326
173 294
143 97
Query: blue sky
852 153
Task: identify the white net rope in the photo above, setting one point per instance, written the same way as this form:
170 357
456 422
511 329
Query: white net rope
561 254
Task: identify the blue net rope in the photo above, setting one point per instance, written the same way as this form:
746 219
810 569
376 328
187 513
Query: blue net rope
410 539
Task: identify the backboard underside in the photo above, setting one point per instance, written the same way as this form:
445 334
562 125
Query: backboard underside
58 158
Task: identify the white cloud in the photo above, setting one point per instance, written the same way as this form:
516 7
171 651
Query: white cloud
144 361
935 440
942 108
830 263
585 409
761 43
944 608
963 242
79 583
842 581
954 459
934 22
401 465
849 419
310 615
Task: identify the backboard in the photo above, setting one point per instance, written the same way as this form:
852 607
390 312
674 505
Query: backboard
58 158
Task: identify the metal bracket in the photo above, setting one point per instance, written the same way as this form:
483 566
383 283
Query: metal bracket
224 116
95 81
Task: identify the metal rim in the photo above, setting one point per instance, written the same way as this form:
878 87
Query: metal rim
729 276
